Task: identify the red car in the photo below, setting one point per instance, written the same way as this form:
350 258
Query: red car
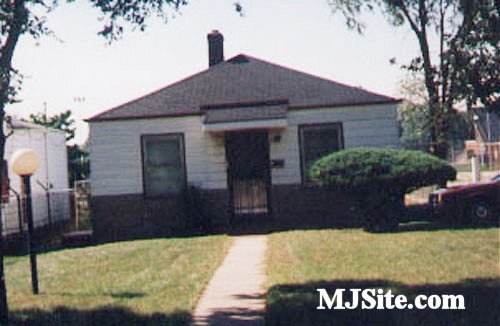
473 202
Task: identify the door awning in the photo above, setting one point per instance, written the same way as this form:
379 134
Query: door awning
258 116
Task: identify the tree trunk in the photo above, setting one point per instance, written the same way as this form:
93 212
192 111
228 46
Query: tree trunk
19 19
438 122
4 311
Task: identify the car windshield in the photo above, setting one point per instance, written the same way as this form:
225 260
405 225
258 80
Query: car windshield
496 178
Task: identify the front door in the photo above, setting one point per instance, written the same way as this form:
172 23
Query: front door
248 174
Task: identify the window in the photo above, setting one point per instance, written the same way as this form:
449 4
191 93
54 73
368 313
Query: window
163 164
317 141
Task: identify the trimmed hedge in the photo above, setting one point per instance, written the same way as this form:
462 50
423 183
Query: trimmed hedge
378 178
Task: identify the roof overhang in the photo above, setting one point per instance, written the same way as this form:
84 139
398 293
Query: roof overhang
245 117
245 125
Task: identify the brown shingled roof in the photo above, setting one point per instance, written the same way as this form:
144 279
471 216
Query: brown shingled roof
239 80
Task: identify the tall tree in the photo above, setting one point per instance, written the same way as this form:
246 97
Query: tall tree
467 65
28 17
475 47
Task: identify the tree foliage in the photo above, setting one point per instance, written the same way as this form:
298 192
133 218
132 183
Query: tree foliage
415 133
61 121
467 66
116 14
78 163
473 54
414 118
414 113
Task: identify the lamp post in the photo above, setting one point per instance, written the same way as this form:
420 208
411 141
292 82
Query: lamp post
25 162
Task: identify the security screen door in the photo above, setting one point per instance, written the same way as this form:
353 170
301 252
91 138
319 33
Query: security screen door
249 177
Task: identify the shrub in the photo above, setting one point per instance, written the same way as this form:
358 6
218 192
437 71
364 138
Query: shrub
377 179
196 209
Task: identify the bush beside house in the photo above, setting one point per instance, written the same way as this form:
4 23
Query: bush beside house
377 179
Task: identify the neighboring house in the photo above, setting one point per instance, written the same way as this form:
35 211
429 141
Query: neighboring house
243 132
486 143
50 147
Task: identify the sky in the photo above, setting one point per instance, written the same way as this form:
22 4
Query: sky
79 70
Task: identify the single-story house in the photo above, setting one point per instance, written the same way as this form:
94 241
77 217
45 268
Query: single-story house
49 185
243 132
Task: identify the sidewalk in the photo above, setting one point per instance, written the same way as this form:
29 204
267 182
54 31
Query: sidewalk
235 295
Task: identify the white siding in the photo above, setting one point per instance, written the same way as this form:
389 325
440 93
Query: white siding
370 125
53 168
116 166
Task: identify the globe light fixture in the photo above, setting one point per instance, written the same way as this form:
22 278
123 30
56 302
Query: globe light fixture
25 163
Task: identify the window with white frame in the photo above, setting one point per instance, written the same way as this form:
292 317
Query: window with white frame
316 141
163 164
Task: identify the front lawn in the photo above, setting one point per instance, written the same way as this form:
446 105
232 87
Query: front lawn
125 283
420 262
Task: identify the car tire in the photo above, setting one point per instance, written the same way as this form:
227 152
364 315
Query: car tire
481 211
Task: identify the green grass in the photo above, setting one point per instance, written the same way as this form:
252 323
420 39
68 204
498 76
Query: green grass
125 283
425 262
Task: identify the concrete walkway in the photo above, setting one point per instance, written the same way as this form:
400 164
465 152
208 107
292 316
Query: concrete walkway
235 295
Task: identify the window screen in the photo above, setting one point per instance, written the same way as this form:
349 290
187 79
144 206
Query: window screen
163 164
317 141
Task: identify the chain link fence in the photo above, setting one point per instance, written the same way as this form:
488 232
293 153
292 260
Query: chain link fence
51 210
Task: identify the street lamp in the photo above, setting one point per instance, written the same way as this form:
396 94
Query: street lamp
25 162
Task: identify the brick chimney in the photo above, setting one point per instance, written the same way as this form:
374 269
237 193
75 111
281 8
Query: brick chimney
215 48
